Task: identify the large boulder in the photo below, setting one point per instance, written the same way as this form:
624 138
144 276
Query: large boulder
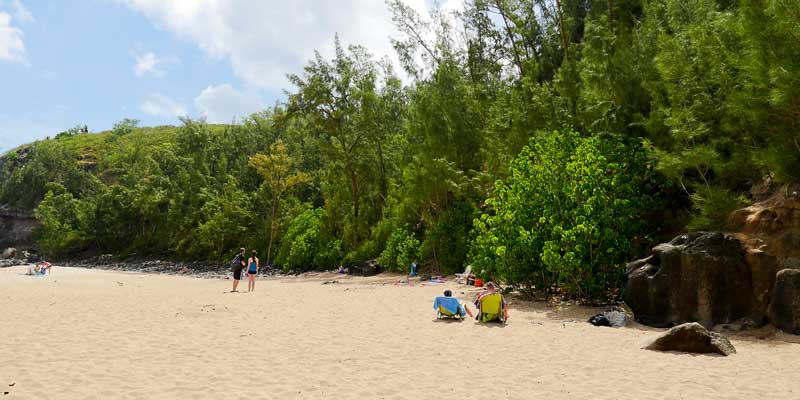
701 276
692 338
784 309
9 253
367 268
16 228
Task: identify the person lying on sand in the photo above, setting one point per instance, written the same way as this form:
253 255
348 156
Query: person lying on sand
450 306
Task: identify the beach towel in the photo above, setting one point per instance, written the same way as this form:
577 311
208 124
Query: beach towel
449 306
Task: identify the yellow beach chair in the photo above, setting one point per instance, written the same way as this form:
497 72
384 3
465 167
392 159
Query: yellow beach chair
492 308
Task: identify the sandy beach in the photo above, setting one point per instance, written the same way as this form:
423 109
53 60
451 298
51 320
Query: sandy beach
91 334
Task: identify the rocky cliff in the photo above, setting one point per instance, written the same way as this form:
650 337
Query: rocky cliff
726 277
16 228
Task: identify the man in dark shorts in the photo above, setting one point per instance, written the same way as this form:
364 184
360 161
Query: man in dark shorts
237 266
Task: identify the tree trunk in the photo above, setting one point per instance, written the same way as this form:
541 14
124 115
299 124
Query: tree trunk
383 187
273 213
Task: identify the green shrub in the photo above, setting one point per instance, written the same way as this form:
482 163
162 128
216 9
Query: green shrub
401 250
301 242
567 215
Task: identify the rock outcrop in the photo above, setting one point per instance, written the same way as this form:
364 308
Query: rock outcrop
692 338
784 309
721 278
367 268
16 228
700 276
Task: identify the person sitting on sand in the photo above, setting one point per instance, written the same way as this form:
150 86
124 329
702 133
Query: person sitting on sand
252 271
237 265
489 289
451 305
470 279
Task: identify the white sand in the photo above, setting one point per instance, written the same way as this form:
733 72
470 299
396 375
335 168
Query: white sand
86 334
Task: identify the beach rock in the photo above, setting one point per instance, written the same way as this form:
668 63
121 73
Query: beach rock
11 262
367 268
700 276
9 253
784 309
692 338
17 227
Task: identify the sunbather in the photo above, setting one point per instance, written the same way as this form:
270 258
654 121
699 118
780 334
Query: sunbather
491 305
449 306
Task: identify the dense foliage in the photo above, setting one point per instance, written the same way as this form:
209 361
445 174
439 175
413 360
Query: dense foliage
568 215
355 165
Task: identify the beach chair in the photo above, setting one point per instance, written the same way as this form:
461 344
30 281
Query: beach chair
462 278
491 308
447 308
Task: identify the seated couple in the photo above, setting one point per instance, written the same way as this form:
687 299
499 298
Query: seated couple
491 306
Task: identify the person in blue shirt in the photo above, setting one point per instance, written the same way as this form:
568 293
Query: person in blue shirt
252 271
451 304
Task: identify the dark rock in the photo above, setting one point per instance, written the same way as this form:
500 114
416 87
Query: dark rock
791 263
367 268
16 228
784 309
763 267
692 338
699 276
9 253
11 262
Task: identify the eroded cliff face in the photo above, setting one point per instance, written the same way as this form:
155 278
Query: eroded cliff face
16 228
726 277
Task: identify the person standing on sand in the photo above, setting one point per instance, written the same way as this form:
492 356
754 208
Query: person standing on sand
252 271
237 265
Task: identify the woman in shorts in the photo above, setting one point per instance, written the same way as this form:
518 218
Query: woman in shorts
252 271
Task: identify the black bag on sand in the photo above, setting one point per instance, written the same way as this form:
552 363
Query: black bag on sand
599 320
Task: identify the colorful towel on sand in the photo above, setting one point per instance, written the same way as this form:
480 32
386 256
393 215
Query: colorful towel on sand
450 304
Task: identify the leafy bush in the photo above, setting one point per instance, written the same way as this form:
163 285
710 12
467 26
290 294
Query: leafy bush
401 250
65 221
301 242
567 215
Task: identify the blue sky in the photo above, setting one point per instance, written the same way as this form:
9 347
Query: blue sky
95 62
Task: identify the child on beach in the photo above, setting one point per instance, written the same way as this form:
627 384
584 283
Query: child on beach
252 271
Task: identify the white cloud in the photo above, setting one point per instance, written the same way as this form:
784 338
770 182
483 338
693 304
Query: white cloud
223 103
148 62
265 40
159 105
12 48
20 12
